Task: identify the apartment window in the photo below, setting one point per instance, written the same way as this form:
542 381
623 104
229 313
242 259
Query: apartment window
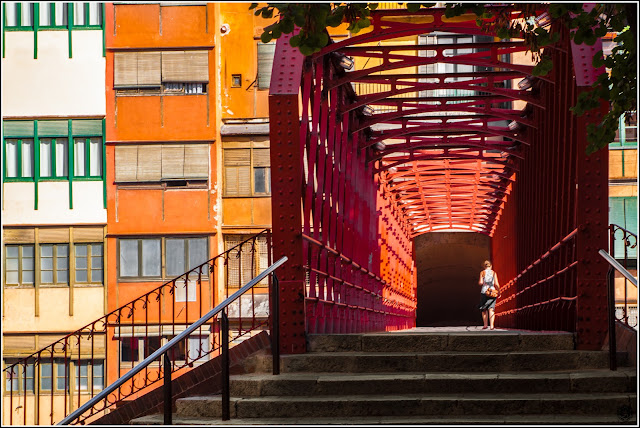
193 347
88 157
54 157
134 349
88 258
266 53
184 254
139 258
627 133
53 374
245 263
19 264
51 144
623 211
19 161
89 374
53 14
19 378
18 14
54 264
176 72
247 172
172 164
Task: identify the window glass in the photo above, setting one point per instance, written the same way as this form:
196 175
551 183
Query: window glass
79 157
198 252
46 264
27 14
11 162
27 158
61 13
11 16
152 344
81 262
129 349
62 264
12 265
198 346
82 371
12 379
45 377
29 377
78 14
62 157
96 263
95 157
175 257
128 257
261 180
45 157
150 257
27 264
98 375
95 13
62 376
45 14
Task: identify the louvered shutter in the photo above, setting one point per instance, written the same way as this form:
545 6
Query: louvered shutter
18 236
185 66
126 163
237 172
265 64
18 128
88 234
53 128
149 163
86 127
149 69
261 158
173 161
125 69
196 161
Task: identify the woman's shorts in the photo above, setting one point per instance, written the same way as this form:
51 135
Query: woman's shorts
487 302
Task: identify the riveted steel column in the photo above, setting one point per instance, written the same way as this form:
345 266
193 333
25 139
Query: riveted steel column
592 211
286 179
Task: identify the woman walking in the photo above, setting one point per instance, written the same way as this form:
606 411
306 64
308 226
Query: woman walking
490 291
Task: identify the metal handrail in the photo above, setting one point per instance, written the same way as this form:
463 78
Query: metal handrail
104 393
614 263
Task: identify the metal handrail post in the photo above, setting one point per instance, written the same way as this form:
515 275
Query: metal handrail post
613 363
167 390
224 343
275 325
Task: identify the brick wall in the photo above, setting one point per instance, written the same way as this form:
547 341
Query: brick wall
204 379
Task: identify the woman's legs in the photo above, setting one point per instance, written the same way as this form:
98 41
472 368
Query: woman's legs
485 317
492 317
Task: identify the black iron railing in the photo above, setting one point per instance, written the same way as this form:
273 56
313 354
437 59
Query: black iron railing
623 248
222 309
64 375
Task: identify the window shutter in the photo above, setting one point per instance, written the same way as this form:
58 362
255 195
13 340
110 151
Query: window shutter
87 127
88 234
237 181
54 235
126 162
19 236
189 66
54 128
18 128
261 158
173 161
237 157
196 161
149 163
125 69
265 64
149 69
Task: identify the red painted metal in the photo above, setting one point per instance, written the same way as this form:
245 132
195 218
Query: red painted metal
427 160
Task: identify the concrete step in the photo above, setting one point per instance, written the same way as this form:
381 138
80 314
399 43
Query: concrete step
420 341
306 384
410 405
375 362
557 420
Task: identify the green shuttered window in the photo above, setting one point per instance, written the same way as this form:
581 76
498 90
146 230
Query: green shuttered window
623 211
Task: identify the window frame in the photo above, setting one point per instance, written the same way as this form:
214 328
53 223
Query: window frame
256 261
69 12
87 159
20 264
140 277
52 11
252 171
20 177
89 269
55 268
54 158
19 26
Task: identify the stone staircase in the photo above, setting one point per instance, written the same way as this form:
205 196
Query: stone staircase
427 376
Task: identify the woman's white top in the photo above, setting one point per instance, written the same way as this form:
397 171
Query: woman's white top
488 281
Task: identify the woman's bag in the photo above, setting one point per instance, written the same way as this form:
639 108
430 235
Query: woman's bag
491 292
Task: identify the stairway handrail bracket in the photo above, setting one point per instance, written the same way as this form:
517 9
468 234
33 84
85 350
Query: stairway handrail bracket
215 311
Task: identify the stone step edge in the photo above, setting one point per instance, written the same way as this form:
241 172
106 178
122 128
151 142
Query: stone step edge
421 396
526 419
